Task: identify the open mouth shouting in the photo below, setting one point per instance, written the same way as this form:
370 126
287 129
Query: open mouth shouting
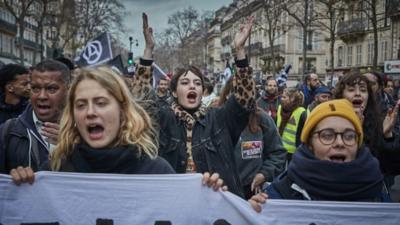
338 158
358 103
95 131
192 97
43 109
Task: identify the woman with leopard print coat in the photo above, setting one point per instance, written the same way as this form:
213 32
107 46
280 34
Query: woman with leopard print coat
192 139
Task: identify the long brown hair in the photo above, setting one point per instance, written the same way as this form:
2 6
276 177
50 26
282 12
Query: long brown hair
373 118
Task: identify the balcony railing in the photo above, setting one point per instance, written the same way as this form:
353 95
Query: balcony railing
12 28
277 49
28 44
256 48
352 27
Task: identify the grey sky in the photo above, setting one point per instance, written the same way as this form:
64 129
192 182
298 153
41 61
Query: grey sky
158 12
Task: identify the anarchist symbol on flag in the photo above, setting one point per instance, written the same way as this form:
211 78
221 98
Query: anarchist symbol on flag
96 51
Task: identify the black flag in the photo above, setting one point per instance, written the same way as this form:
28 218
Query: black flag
97 51
116 62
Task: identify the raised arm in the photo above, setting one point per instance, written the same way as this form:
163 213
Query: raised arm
141 85
243 83
235 112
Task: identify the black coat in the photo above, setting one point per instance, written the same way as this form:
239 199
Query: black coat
22 149
11 111
116 160
214 140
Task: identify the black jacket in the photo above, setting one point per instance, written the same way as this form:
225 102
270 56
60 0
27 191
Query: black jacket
214 140
24 146
11 111
214 135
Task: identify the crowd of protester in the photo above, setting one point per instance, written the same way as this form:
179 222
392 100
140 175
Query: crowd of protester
310 142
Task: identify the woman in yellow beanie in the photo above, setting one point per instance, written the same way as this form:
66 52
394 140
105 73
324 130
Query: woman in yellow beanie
331 164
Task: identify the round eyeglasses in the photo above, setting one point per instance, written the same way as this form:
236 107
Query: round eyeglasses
328 136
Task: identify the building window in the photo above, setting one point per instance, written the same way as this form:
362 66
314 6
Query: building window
310 40
300 39
6 43
370 52
340 56
359 55
349 55
316 41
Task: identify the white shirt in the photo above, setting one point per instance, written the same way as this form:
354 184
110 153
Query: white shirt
39 127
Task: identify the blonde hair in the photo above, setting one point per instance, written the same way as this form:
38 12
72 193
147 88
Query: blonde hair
135 128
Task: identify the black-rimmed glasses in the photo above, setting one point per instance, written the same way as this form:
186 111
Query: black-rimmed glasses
328 136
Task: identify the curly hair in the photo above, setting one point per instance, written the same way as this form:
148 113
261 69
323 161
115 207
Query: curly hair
373 118
135 127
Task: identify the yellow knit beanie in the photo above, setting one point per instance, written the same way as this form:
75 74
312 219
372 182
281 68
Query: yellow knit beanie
339 107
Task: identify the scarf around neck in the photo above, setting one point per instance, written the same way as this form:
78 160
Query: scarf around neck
121 159
360 179
189 120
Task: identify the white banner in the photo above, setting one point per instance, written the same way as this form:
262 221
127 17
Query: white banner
103 199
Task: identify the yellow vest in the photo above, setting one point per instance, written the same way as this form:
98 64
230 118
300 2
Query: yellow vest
290 130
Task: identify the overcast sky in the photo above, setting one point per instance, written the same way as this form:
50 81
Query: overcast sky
158 12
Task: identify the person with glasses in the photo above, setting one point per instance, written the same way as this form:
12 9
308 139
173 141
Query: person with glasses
332 164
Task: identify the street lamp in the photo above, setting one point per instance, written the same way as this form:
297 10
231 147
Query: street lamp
130 43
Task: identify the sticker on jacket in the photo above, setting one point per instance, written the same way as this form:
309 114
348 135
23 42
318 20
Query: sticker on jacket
251 149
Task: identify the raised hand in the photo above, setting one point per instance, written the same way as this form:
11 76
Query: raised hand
390 121
148 37
242 36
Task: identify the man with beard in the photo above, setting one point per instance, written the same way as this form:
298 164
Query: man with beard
28 140
270 101
322 94
311 83
163 92
15 89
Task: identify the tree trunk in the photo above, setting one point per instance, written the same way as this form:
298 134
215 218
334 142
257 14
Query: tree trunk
271 43
331 52
332 42
41 43
375 27
305 39
21 40
36 41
